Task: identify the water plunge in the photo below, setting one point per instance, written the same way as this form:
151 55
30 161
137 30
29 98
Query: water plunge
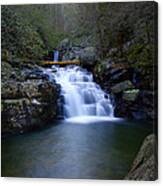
82 96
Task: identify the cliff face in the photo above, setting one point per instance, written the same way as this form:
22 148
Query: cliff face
144 167
29 100
133 89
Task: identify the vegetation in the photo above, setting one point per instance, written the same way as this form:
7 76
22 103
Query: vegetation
19 39
27 32
30 30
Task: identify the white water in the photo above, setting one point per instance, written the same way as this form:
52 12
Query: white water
82 96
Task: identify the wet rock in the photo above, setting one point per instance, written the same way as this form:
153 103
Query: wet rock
125 85
144 167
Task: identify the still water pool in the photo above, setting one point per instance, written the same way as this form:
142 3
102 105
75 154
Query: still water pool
65 149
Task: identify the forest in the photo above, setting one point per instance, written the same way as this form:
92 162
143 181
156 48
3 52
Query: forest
116 44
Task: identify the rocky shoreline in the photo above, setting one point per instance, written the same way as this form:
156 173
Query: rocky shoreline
145 165
28 99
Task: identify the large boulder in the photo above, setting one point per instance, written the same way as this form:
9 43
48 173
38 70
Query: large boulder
144 167
119 87
135 103
88 56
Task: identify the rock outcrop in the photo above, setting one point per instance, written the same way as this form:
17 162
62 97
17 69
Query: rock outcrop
144 167
27 104
132 88
86 54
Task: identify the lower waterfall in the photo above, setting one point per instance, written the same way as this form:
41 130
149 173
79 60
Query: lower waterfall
82 96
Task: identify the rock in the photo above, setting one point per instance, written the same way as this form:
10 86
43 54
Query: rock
123 82
130 95
144 167
35 74
15 90
65 44
119 87
139 114
28 105
76 48
14 115
118 74
88 56
135 103
146 105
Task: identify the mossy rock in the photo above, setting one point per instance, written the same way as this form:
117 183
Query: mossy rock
130 95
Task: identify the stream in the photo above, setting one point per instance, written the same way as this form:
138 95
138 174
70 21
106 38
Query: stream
88 143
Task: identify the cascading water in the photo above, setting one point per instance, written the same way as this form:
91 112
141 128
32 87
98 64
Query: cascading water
82 96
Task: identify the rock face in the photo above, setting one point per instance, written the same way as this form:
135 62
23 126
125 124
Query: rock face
27 104
144 167
88 56
132 88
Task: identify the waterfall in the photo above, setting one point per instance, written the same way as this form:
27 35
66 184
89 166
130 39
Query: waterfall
56 55
82 96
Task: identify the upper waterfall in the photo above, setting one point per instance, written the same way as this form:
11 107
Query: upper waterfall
82 96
